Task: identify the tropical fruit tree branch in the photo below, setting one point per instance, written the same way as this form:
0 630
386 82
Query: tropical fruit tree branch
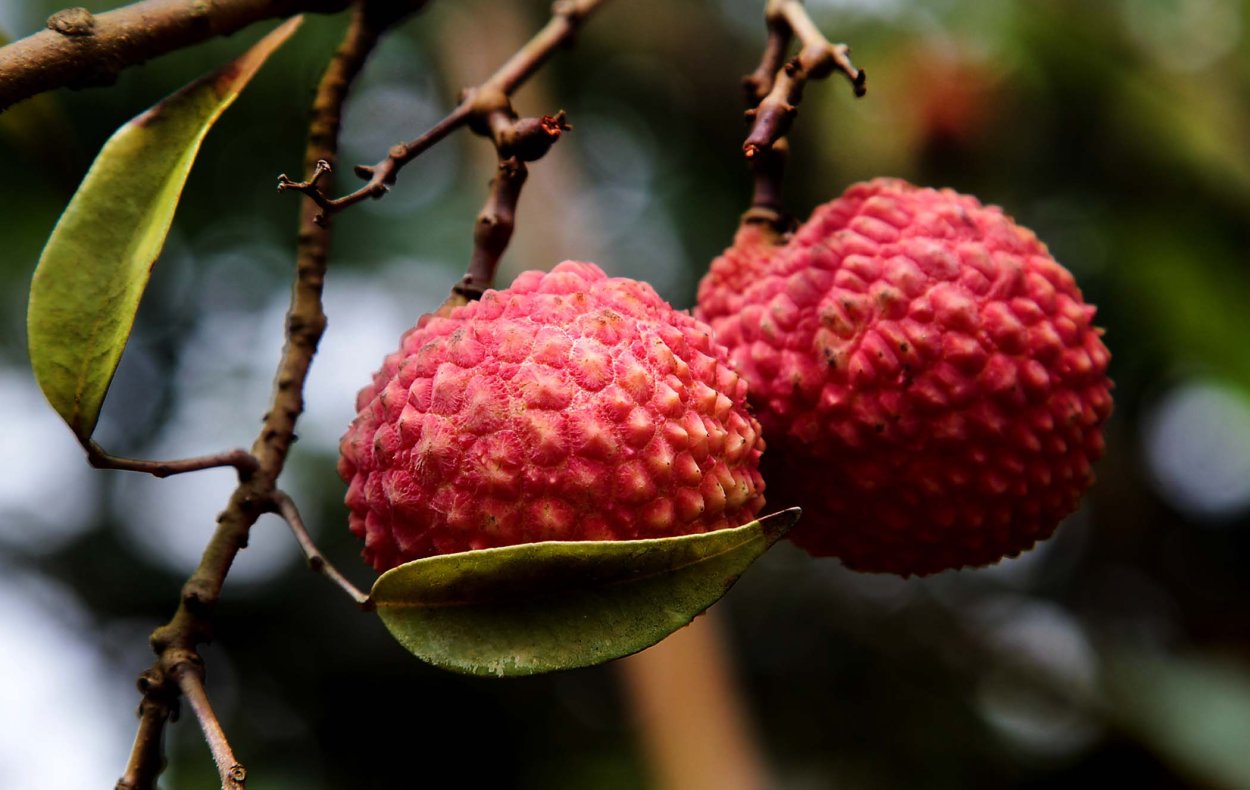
80 49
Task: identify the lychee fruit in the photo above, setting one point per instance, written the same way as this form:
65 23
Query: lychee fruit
929 378
571 406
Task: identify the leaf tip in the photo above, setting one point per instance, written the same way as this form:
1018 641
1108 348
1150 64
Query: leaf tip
776 525
231 78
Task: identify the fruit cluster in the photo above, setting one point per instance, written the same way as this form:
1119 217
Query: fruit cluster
928 377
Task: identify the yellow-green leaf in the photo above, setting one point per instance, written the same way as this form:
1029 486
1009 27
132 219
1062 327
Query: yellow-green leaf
540 607
96 264
1192 710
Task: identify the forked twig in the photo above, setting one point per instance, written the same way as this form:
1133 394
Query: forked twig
475 105
773 92
178 668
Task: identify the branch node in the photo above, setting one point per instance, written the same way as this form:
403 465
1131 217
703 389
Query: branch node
488 106
160 640
72 22
148 680
197 598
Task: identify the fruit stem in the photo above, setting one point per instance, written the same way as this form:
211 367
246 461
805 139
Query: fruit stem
494 228
516 142
767 210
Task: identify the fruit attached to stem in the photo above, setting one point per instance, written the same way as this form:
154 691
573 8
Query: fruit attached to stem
929 378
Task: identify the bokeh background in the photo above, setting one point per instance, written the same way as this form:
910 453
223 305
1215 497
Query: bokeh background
1117 652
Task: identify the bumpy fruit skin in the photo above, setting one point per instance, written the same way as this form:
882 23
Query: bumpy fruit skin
722 290
571 406
929 378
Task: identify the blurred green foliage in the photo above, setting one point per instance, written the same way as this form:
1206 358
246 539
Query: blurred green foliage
1119 131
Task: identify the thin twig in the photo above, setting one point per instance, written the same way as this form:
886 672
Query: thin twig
309 187
285 507
480 102
191 683
240 459
176 643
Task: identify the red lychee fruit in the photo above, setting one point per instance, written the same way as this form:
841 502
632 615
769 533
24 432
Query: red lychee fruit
929 378
571 406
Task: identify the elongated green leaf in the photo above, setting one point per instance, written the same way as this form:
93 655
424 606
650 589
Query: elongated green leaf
93 271
1194 711
540 607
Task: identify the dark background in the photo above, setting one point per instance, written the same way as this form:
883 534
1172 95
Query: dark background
1119 651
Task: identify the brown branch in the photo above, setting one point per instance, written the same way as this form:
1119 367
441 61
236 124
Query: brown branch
818 56
176 643
692 720
566 17
240 459
758 83
81 50
285 506
773 92
190 679
480 102
817 59
146 762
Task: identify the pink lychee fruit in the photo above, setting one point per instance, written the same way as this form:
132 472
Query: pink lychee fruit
928 377
571 406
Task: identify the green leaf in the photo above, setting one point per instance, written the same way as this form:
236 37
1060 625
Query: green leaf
541 607
93 271
1194 711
